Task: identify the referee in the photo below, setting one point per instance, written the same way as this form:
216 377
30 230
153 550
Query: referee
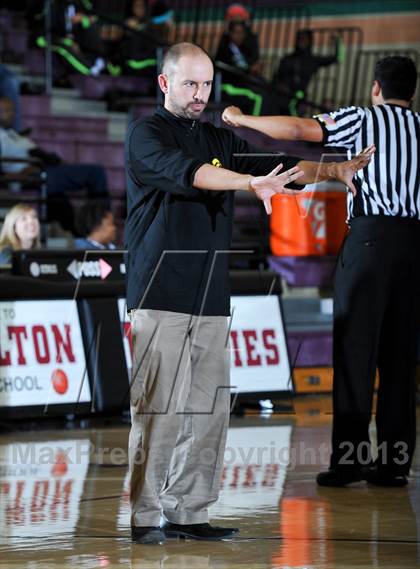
376 300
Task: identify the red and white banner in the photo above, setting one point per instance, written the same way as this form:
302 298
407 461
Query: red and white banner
258 345
42 360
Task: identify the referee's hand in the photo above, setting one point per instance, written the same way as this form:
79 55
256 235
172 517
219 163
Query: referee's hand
346 170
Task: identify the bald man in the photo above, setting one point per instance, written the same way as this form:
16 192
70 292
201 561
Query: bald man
181 178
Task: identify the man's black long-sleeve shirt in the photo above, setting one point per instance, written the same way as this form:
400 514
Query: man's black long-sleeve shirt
177 236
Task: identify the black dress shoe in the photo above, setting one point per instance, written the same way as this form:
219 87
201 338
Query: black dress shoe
204 532
339 477
380 477
147 535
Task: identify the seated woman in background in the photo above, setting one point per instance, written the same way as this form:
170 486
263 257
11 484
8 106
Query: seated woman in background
21 230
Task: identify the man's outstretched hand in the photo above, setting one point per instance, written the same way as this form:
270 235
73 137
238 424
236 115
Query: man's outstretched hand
265 187
345 171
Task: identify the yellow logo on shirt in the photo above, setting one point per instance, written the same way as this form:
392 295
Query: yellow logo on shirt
216 162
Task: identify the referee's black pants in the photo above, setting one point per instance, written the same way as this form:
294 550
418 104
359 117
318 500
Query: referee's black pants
376 324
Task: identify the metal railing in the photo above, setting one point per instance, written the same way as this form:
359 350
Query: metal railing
365 66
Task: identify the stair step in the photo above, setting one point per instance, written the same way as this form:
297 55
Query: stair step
69 103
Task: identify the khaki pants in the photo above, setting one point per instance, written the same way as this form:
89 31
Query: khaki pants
180 411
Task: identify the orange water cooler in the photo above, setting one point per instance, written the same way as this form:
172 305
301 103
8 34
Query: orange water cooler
310 223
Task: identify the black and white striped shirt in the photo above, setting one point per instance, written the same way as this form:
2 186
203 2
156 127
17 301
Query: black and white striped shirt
390 185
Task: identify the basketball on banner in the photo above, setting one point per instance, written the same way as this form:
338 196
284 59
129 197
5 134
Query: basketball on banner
60 381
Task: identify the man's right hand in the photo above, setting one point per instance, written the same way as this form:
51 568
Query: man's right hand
265 187
231 116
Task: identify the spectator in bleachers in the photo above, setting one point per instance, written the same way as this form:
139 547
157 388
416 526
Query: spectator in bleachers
297 69
138 15
239 44
138 54
60 178
10 87
239 48
95 222
138 51
161 18
233 49
21 230
76 36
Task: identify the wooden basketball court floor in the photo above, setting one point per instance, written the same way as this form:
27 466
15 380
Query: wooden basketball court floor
64 503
